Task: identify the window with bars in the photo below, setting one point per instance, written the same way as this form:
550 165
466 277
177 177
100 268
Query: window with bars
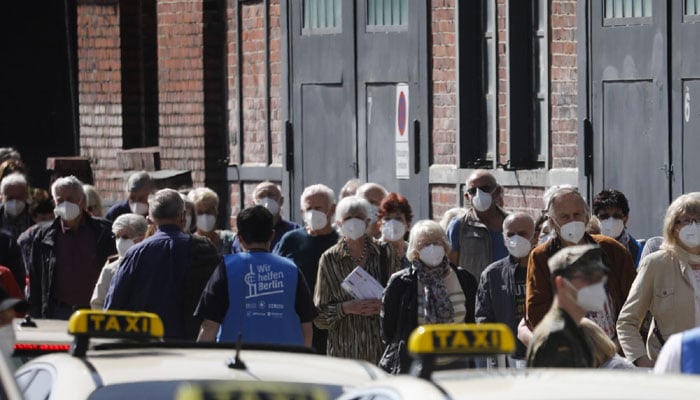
322 15
387 13
692 7
626 9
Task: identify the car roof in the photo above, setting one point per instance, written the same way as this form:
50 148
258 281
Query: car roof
44 331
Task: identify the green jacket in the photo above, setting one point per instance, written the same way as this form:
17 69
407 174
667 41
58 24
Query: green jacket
559 342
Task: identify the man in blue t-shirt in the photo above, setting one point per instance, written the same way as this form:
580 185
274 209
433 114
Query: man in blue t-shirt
257 295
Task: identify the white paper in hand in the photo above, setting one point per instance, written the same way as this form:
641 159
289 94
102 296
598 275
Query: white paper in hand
361 285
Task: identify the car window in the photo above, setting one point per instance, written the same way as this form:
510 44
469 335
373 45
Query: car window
40 386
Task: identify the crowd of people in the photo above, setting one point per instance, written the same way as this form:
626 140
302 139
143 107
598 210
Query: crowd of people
576 288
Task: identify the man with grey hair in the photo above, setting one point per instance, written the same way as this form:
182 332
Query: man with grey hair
569 215
14 210
166 273
67 256
374 193
305 245
138 187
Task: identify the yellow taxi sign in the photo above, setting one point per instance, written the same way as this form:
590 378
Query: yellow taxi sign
469 339
251 390
115 324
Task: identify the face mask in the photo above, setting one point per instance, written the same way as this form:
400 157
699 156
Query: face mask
482 200
573 231
373 210
272 206
315 220
432 255
124 244
139 208
393 230
67 211
353 228
518 246
690 235
14 207
188 222
206 222
7 340
592 297
612 227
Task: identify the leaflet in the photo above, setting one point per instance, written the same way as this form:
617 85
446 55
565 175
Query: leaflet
361 285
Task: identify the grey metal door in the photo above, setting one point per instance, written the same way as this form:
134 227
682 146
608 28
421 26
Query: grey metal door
630 106
391 63
685 97
322 95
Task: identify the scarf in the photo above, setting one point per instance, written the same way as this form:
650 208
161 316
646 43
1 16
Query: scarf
437 305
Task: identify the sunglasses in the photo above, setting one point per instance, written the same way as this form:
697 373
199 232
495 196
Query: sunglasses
487 189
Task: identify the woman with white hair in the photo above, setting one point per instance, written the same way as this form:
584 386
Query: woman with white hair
430 291
128 230
667 285
352 324
206 208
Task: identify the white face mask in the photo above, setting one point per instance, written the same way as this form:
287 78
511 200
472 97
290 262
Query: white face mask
315 220
690 235
573 231
518 246
481 200
393 230
272 206
14 207
138 208
7 340
123 244
67 211
592 297
353 228
612 227
432 255
206 222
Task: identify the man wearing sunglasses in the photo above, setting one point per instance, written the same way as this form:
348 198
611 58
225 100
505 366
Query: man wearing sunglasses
476 239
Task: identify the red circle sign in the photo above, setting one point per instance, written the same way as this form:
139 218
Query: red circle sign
401 114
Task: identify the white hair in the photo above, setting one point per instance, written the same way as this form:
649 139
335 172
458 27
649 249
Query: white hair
136 222
423 229
67 182
317 189
551 191
351 205
13 179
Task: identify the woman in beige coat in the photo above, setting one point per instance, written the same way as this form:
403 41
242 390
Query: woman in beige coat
667 285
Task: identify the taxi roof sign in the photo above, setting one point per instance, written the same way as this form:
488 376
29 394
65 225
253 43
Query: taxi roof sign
115 324
462 339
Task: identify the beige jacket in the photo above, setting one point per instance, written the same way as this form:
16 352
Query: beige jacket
665 288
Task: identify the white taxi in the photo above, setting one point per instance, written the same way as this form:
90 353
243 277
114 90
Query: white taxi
36 337
153 369
428 344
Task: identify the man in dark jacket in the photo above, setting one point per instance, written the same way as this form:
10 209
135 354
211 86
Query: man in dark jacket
166 273
68 255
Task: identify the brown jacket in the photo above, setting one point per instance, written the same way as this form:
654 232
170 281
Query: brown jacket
538 298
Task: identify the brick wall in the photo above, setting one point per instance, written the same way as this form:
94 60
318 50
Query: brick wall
444 74
99 91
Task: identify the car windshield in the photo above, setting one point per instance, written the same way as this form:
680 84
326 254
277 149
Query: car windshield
166 390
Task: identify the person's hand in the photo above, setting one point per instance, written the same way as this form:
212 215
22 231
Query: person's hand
362 307
644 362
524 332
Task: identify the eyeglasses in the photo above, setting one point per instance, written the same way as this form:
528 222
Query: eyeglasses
687 221
472 191
604 215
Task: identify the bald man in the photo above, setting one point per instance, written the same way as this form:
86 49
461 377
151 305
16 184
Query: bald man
501 293
268 195
476 237
374 193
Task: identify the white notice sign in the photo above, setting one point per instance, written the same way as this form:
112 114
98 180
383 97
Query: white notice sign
403 160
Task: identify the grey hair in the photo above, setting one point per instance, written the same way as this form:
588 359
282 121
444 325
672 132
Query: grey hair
67 182
94 201
13 179
317 189
551 191
9 153
351 205
166 204
561 191
138 181
136 222
422 229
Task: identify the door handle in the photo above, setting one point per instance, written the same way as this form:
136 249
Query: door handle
289 146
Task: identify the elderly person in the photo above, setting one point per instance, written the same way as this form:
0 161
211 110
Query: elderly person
305 245
67 255
206 208
429 291
94 201
128 230
268 195
14 210
352 324
138 187
374 193
166 273
395 216
668 285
